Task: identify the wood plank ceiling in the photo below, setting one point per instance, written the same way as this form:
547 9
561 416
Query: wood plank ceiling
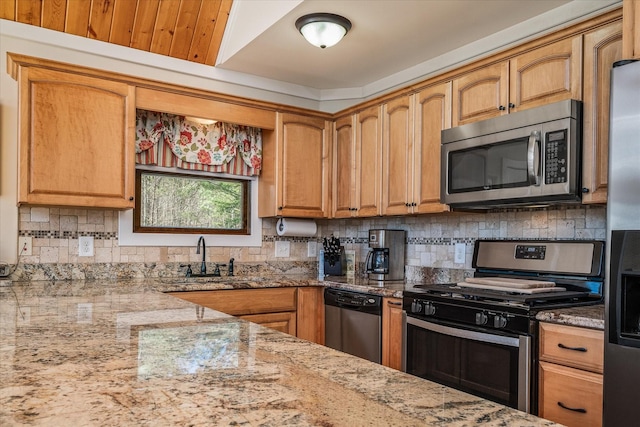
183 29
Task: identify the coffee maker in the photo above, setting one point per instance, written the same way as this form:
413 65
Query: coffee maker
385 260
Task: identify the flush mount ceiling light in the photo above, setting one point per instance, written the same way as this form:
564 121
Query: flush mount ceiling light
323 29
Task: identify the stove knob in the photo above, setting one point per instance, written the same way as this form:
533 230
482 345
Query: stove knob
429 309
416 307
499 321
481 319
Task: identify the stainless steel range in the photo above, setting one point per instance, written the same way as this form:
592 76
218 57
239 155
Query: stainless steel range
480 336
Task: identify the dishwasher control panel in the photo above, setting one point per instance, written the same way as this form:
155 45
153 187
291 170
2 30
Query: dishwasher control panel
353 300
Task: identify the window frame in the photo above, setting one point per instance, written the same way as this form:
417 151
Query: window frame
246 205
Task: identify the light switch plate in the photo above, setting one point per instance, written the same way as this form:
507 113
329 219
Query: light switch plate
312 249
282 248
459 257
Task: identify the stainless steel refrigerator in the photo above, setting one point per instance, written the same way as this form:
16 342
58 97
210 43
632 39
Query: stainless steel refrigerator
622 291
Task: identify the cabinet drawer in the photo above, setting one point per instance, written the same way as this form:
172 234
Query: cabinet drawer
244 301
283 322
568 345
570 396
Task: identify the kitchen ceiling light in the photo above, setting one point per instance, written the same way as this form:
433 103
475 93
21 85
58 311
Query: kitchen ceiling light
323 29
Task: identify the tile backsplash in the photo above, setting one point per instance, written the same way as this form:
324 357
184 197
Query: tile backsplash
430 241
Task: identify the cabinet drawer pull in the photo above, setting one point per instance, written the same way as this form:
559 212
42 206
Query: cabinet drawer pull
581 410
582 349
394 303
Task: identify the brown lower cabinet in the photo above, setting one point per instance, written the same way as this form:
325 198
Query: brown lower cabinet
392 333
571 375
296 311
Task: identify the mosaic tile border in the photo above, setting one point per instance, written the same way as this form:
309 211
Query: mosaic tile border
55 234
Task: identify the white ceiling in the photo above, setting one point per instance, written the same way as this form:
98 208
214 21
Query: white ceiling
391 43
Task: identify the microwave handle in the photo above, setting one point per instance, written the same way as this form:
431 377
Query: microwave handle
533 158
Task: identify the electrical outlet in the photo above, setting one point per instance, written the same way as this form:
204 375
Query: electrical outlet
282 248
459 255
25 246
4 269
85 246
312 249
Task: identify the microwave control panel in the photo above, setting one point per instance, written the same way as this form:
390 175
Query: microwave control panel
556 157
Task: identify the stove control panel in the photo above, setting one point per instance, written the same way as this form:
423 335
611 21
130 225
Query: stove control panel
485 318
530 251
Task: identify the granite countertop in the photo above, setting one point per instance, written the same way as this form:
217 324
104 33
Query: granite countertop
122 353
358 284
591 316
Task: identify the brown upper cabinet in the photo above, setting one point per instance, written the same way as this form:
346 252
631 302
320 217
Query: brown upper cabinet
432 115
397 149
602 47
547 74
344 167
76 140
368 162
295 178
411 147
357 164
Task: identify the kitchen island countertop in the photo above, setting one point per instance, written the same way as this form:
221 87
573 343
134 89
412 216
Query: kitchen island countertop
123 353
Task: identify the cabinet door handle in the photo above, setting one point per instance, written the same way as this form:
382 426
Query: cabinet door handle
581 410
582 349
502 108
131 199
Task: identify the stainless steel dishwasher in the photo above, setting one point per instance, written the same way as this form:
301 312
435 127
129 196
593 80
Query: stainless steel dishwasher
353 323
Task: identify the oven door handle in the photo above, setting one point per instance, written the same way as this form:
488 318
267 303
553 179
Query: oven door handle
464 333
533 158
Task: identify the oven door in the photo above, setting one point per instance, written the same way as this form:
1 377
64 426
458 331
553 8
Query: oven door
495 367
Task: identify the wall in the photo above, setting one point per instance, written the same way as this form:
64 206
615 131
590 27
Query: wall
430 241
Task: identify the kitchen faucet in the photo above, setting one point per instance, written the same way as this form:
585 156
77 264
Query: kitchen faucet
203 267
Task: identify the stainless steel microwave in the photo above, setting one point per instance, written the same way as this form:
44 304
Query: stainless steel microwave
532 157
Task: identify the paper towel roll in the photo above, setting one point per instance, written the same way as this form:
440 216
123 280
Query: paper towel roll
296 227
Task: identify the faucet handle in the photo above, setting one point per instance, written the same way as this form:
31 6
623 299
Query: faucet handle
216 272
189 271
230 269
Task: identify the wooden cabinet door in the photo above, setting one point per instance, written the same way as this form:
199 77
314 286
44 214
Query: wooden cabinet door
602 48
369 162
397 148
392 332
77 138
481 94
283 322
344 168
631 29
304 166
310 314
432 115
548 74
570 396
558 344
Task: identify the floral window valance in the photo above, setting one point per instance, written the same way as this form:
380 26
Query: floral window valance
175 141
